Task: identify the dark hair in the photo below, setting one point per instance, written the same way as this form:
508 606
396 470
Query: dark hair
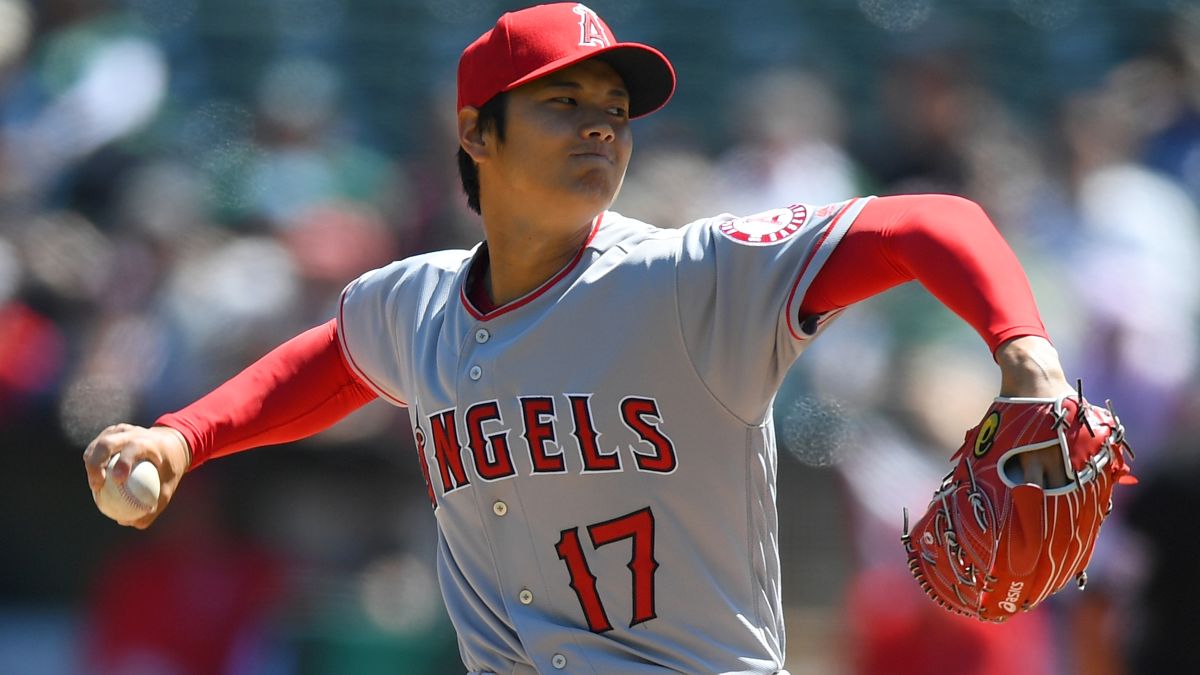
491 115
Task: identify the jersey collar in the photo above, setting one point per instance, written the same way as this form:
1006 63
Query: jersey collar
479 306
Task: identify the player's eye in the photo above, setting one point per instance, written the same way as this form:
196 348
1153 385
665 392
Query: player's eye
618 111
565 100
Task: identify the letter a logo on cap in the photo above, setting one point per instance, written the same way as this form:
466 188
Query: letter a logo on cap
591 31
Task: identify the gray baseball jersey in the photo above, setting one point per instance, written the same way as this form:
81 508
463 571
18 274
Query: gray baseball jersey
599 454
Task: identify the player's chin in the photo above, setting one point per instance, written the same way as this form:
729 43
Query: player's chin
599 186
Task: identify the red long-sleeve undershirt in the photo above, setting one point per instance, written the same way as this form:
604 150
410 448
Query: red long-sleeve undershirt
304 386
950 246
300 388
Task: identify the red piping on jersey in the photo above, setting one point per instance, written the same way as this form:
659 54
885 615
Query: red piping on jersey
811 254
341 328
534 294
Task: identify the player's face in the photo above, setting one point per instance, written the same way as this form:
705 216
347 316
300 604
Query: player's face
567 139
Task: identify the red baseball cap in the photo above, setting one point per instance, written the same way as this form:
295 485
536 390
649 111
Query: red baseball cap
530 43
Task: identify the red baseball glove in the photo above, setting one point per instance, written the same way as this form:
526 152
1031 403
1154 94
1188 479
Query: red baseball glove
989 545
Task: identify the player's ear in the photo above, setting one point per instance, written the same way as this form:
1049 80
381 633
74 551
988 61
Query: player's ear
471 136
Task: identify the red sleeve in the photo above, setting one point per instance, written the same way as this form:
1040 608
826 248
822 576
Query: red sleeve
950 246
299 389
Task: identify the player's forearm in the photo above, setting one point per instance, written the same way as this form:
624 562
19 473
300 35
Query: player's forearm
299 389
946 243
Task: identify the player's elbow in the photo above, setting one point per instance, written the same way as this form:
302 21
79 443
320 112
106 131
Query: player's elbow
949 210
930 214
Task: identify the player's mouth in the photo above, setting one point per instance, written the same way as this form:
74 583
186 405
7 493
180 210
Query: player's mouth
594 154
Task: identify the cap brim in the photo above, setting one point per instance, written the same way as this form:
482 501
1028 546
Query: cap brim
648 74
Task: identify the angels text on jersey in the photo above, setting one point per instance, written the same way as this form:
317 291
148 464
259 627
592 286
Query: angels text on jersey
546 429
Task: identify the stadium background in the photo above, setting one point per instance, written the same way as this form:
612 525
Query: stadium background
186 183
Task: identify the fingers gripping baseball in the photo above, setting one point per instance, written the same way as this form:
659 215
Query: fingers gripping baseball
163 447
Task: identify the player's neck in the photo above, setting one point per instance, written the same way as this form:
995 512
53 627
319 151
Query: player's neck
523 256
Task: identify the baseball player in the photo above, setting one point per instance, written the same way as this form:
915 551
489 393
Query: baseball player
591 395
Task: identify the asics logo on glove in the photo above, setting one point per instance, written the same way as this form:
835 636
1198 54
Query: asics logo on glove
1009 603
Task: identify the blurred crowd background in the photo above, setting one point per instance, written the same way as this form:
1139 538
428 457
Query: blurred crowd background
186 183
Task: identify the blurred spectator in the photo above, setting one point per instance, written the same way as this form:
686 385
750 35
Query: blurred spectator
32 355
1161 513
1170 102
788 133
16 29
1132 265
186 599
305 158
94 78
925 104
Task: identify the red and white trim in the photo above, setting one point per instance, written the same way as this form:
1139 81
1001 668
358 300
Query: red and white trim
830 236
345 347
535 293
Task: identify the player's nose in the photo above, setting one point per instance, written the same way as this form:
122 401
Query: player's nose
597 128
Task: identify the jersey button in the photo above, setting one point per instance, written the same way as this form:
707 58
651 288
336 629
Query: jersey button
558 661
482 335
500 508
476 372
525 596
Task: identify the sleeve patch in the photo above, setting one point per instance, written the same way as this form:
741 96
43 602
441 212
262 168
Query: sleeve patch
766 228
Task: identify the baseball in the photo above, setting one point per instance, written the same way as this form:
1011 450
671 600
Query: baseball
133 500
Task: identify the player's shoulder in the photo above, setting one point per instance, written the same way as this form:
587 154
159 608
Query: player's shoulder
431 266
448 261
637 243
418 278
646 241
620 231
780 226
